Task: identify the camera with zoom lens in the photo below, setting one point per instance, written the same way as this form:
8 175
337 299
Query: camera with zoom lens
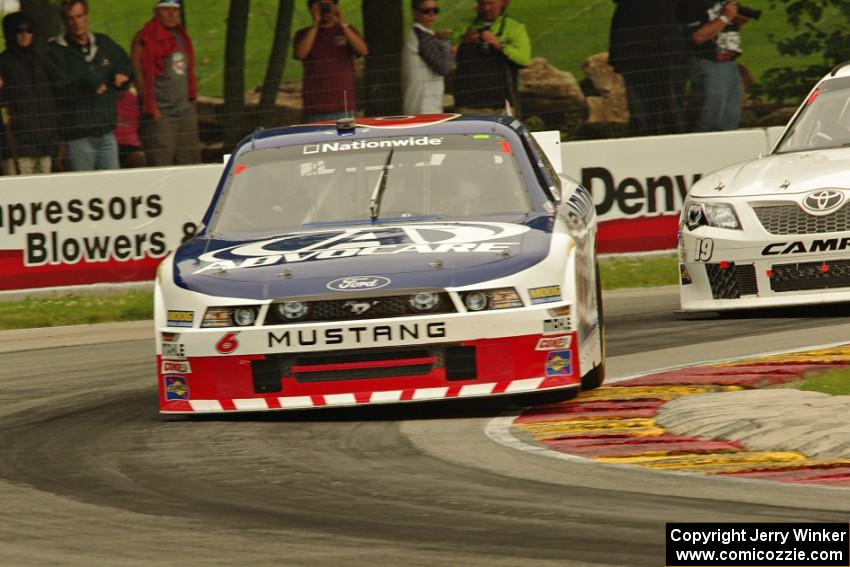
485 47
750 13
325 8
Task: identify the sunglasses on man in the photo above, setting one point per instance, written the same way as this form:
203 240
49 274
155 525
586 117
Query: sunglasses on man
24 30
426 11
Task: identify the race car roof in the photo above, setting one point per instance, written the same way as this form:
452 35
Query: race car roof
372 127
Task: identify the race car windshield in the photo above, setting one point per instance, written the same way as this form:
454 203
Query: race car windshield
823 123
456 175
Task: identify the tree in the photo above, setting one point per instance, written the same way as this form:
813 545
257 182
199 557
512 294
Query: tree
234 73
277 59
818 31
383 26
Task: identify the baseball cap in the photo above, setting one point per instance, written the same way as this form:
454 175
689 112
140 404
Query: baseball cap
168 4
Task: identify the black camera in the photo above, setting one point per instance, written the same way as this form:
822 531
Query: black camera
751 13
325 8
484 45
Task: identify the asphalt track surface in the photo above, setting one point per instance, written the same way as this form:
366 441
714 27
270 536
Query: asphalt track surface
90 475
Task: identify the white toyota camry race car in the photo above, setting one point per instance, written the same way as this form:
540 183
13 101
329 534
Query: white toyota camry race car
776 231
388 260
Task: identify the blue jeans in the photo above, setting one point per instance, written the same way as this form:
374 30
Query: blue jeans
717 85
93 152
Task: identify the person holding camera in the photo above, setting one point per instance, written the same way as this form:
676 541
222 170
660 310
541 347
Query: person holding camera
490 54
713 27
327 49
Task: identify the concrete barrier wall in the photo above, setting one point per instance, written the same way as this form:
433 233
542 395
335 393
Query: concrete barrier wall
115 226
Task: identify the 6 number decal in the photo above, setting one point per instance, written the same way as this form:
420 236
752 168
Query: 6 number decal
227 344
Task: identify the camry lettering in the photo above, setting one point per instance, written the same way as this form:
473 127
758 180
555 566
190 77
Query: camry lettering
377 334
800 247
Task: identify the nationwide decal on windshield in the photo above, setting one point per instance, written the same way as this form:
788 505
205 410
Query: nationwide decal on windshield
410 141
423 238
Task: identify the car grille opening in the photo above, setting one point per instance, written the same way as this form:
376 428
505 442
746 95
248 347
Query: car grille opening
370 307
458 361
807 276
792 219
731 281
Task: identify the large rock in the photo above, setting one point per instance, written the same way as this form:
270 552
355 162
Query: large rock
611 105
542 79
552 94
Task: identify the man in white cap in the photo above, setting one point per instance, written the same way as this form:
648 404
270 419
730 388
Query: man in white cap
165 69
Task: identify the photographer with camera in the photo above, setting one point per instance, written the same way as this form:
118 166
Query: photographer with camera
491 52
327 49
714 31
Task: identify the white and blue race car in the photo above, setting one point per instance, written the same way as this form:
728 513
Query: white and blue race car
381 261
773 232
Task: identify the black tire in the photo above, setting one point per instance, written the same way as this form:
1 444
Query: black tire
543 398
596 376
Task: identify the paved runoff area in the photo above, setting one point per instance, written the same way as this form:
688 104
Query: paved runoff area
732 419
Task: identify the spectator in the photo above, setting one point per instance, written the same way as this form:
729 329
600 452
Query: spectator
425 60
648 50
713 27
327 49
164 61
491 52
30 139
87 69
130 152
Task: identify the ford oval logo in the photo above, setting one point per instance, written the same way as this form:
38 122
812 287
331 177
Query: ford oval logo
823 200
359 283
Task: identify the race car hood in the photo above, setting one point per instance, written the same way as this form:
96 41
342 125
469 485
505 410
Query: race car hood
779 174
400 255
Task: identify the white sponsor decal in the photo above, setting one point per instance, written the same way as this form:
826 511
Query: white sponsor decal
558 325
355 283
424 238
410 141
554 343
176 367
177 350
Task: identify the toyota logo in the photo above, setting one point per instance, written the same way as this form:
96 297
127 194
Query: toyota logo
823 200
359 283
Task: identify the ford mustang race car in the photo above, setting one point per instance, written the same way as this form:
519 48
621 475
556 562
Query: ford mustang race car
381 261
775 231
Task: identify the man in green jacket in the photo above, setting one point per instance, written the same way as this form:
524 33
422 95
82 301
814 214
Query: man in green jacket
86 70
491 52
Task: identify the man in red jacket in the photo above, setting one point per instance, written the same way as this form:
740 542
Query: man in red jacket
165 69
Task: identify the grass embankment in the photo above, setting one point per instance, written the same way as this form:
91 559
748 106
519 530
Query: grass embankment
73 309
834 382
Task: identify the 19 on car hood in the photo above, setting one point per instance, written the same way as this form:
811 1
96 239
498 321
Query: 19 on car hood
432 254
779 174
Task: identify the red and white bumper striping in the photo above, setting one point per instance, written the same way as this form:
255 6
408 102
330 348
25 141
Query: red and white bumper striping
504 366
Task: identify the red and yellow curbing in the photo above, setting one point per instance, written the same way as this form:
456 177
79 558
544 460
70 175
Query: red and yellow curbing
616 424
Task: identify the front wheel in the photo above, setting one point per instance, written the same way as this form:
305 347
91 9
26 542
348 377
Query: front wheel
596 377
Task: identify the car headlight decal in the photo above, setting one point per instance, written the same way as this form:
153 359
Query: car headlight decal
489 299
717 215
236 316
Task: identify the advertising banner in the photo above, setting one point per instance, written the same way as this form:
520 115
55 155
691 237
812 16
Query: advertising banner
97 227
639 184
